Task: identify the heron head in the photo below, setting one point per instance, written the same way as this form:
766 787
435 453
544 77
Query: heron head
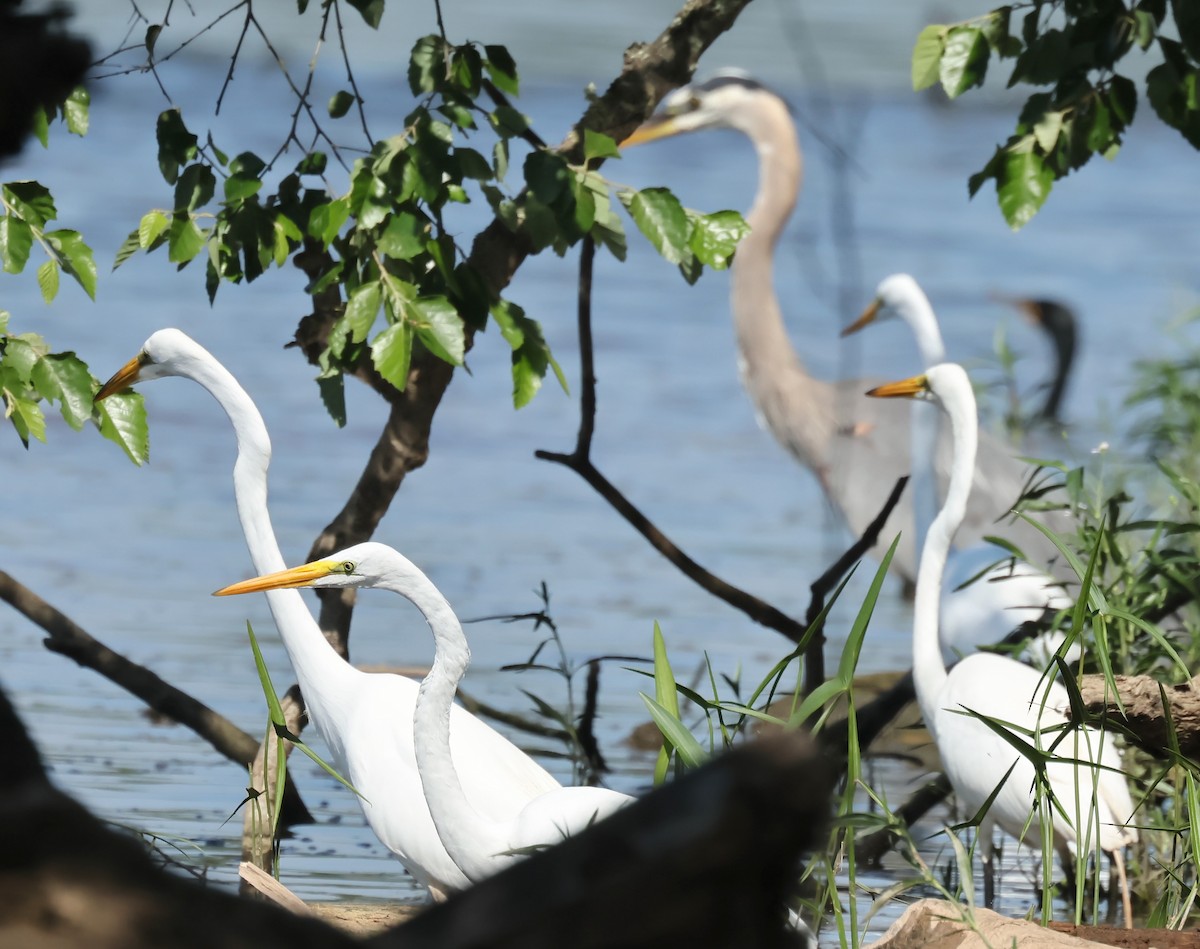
363 565
945 382
165 353
894 293
727 100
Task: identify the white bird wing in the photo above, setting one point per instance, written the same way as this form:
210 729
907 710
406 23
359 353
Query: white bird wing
562 813
499 779
1003 689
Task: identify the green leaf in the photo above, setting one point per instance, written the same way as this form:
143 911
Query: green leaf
1122 99
1023 186
26 417
964 62
333 395
194 188
547 175
240 187
20 356
1046 130
440 328
927 56
151 228
75 110
659 215
41 126
362 309
63 378
128 248
371 10
715 237
1187 21
598 145
47 278
186 240
674 731
123 420
404 237
16 240
340 103
1168 91
326 220
531 355
502 69
1145 28
1045 59
176 145
391 353
427 64
500 159
31 202
77 259
313 163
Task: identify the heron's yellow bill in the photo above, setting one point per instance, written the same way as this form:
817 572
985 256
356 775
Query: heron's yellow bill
867 317
302 576
904 389
124 377
655 127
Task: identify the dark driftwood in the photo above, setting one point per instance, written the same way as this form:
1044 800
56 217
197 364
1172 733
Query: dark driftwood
705 861
1144 717
67 880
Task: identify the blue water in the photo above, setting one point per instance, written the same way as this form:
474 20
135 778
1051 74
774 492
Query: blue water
131 554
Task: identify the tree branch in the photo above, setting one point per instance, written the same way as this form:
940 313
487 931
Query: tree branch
1141 707
69 639
650 71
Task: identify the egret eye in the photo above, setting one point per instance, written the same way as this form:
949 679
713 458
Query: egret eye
347 566
694 103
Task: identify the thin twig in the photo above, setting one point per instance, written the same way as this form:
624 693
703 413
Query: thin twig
814 656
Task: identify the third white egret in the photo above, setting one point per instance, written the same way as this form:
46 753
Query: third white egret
1091 802
1002 593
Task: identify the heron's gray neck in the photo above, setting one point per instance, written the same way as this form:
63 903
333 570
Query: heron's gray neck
794 406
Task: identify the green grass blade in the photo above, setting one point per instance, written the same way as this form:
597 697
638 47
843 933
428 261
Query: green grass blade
673 731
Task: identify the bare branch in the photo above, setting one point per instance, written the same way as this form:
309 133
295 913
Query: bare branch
69 639
814 656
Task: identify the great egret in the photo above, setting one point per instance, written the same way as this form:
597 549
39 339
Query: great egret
856 448
364 718
1091 802
1004 593
479 844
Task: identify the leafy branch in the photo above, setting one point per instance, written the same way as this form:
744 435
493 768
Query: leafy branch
1075 50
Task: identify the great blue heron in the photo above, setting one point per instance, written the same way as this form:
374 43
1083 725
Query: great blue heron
1091 805
479 843
366 719
986 595
856 447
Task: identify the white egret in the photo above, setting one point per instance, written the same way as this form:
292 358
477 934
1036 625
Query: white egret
479 843
364 718
1091 802
857 449
1004 594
